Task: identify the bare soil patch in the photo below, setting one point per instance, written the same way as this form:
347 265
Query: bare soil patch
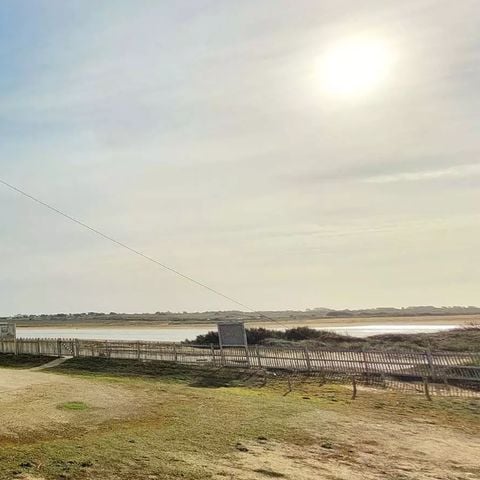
348 447
29 402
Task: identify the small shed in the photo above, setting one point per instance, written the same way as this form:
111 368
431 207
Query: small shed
8 331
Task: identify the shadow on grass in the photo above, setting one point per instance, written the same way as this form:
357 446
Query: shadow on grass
193 375
23 361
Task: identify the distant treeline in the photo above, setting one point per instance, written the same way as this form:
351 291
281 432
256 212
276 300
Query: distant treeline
115 318
403 312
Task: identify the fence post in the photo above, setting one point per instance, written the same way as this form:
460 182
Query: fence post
259 358
426 389
212 350
290 386
77 348
430 364
365 363
59 347
247 356
222 356
38 346
138 350
15 346
307 359
175 354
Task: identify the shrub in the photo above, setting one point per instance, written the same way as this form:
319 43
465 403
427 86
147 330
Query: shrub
207 339
461 339
256 336
301 333
276 342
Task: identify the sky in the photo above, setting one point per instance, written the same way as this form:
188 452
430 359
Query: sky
201 133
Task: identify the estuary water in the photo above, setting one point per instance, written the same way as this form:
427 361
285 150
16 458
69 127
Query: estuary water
176 334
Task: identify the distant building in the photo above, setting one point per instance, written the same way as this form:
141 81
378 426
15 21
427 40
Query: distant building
8 331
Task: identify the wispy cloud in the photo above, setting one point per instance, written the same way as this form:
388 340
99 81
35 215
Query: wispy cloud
459 171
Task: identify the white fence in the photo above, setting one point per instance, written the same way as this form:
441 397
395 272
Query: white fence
438 366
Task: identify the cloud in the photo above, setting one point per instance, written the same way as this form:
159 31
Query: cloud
200 134
461 171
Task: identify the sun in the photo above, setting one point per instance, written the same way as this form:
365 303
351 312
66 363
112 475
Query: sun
355 67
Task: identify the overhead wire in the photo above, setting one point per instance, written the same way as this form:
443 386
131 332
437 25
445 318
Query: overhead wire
138 252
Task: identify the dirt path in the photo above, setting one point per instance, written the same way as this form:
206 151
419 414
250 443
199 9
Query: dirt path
52 364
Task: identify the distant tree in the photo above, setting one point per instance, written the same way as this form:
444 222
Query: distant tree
340 313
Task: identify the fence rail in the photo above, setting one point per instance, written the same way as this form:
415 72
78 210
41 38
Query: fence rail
438 366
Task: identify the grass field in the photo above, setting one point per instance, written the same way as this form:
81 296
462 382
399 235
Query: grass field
92 419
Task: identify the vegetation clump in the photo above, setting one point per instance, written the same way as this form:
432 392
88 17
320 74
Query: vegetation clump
455 340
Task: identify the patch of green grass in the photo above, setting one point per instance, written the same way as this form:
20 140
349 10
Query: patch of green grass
73 406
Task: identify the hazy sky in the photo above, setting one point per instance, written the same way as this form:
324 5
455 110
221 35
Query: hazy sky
200 133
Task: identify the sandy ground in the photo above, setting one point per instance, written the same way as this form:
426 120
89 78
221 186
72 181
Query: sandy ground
366 449
30 400
345 322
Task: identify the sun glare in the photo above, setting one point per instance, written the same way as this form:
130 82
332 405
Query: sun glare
355 67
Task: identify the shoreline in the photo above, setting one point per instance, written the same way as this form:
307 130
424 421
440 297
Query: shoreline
313 323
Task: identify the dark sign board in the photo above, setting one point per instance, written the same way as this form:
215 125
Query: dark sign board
232 334
8 331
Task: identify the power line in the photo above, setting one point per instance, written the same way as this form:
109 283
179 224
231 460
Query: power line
136 252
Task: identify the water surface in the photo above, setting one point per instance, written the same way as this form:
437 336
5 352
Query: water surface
178 334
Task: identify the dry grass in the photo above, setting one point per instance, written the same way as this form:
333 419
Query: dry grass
165 425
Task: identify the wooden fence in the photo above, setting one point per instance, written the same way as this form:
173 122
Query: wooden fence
437 366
